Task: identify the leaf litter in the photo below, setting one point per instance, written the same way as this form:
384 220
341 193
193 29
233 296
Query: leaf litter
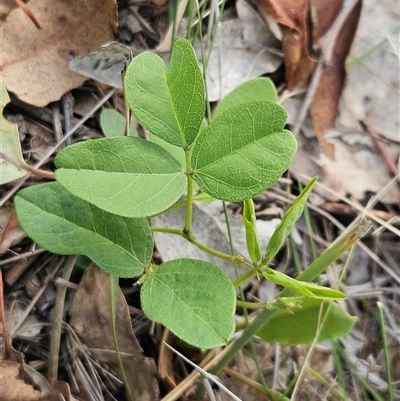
41 55
364 99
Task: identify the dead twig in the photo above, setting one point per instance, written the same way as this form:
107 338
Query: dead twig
28 12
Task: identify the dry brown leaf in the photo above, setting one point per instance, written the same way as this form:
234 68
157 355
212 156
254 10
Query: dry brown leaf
296 19
6 6
34 61
42 140
90 317
291 15
325 105
10 232
19 382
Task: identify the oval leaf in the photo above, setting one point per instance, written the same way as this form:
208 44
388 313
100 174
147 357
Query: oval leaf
243 151
113 124
127 176
288 221
64 224
300 327
254 89
194 299
170 103
302 288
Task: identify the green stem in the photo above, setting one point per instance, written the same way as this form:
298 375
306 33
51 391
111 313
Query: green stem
386 352
221 255
189 236
252 305
57 320
113 314
245 314
244 278
281 303
189 196
167 230
315 269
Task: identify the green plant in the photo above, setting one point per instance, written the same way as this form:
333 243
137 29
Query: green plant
106 189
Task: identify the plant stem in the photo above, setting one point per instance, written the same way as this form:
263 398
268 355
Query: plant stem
189 196
23 166
190 237
167 230
386 352
221 255
57 321
245 277
316 268
242 297
113 314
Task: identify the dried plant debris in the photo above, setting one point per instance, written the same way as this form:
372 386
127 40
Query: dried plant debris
90 317
41 55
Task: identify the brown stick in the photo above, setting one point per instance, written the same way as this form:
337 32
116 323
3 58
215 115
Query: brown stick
28 12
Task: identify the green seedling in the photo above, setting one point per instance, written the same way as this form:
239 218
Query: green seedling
106 189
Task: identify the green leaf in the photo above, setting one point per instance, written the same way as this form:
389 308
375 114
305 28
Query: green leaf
254 89
114 124
126 175
243 151
288 221
302 288
249 222
175 151
10 146
194 299
64 224
170 103
300 327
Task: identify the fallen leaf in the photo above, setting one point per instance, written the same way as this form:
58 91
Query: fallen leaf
34 61
31 326
238 54
357 169
105 64
42 140
291 15
6 6
370 95
325 105
301 49
10 146
10 231
372 86
19 382
90 317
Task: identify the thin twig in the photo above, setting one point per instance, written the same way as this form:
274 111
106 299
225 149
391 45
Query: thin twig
21 256
28 12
